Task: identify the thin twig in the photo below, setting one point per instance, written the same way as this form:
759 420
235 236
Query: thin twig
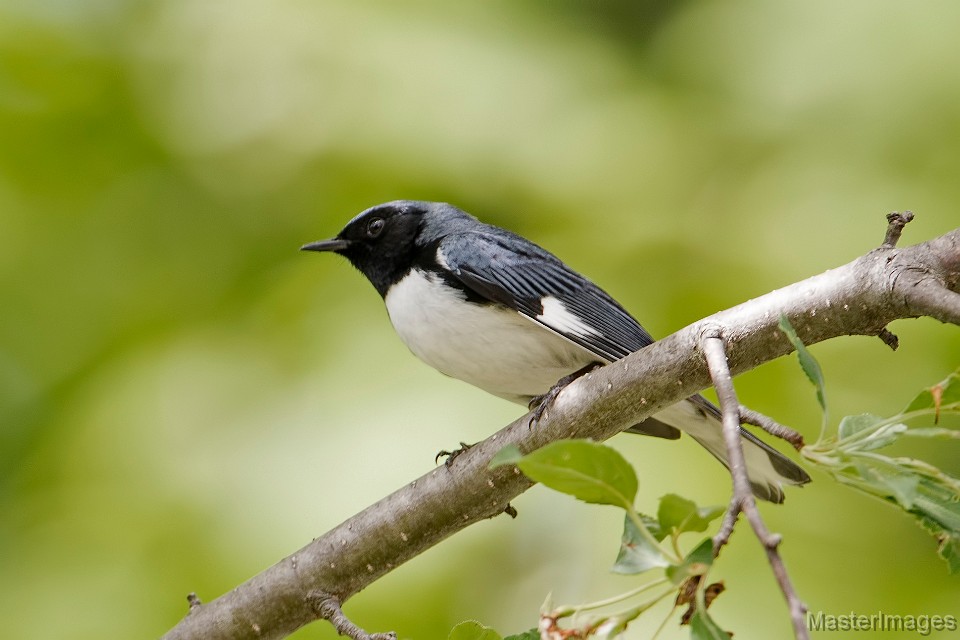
771 426
193 600
726 528
715 353
896 221
889 338
329 607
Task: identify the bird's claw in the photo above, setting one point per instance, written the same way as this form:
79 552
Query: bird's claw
538 405
451 455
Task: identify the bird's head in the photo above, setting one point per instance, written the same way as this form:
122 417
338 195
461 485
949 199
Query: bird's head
383 242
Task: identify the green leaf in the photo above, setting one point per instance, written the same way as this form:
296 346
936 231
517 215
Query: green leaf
532 634
696 563
509 455
949 550
472 630
678 515
589 471
923 491
890 482
945 393
808 363
851 425
937 508
653 526
637 553
883 434
948 543
702 627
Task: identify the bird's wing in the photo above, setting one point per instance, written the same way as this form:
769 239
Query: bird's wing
516 273
504 268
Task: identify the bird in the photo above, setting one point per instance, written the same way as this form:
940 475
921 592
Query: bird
486 306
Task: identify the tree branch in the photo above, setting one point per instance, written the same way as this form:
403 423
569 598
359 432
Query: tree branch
743 500
896 221
771 426
859 298
329 608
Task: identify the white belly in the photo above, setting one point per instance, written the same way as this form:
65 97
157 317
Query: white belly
489 346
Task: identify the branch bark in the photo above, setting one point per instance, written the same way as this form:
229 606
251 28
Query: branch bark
859 298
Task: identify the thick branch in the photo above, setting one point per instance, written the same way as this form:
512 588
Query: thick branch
860 298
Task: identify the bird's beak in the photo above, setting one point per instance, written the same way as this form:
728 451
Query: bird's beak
333 244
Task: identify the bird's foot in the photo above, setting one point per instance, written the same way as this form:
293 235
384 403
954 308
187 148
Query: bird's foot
451 455
538 406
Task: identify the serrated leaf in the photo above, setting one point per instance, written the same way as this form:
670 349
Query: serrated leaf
589 471
948 548
509 455
637 553
944 393
532 634
472 630
696 563
702 627
808 363
923 491
678 515
948 542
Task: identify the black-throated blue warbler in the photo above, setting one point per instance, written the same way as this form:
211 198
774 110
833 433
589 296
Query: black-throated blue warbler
486 306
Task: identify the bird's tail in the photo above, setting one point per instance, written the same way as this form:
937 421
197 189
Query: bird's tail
767 468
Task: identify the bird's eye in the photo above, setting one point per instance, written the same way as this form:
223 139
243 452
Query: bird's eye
375 227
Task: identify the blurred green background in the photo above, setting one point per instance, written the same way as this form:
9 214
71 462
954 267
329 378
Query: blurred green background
185 398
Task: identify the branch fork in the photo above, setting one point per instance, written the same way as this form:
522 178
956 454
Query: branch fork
329 607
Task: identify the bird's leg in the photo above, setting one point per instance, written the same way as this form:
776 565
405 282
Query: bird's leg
451 455
540 403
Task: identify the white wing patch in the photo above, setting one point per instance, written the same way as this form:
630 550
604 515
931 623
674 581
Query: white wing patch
556 316
442 260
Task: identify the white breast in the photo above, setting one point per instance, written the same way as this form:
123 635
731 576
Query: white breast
491 347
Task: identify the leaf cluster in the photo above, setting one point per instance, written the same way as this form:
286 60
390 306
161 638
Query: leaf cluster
598 474
851 455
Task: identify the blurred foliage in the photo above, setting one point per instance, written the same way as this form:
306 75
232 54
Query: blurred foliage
185 399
